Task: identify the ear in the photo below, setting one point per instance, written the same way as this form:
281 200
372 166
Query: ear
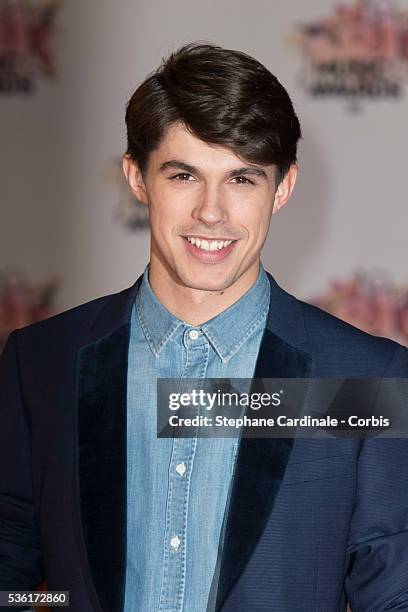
285 188
134 177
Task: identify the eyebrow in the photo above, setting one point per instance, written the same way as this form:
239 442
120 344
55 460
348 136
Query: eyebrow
178 164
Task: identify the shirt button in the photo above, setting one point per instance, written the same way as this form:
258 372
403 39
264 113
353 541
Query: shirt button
181 468
175 542
193 334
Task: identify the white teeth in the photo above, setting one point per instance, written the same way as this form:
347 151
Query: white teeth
209 245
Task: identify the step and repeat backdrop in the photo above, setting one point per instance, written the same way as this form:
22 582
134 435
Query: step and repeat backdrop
69 229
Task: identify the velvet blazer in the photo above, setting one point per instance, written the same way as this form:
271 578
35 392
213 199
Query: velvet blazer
311 523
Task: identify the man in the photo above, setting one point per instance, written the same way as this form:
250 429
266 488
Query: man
91 499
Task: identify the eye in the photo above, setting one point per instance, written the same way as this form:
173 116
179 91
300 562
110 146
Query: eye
243 180
182 176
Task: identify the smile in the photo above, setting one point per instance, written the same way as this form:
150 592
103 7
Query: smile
208 245
209 251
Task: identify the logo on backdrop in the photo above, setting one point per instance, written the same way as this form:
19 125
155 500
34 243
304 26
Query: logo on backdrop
359 52
26 31
370 301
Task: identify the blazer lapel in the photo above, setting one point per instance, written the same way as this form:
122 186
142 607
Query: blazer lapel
101 447
261 463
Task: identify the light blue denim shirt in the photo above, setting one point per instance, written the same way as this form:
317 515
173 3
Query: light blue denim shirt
177 488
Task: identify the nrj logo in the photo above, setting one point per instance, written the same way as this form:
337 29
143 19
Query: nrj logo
360 51
26 28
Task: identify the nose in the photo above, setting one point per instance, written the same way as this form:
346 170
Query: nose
211 206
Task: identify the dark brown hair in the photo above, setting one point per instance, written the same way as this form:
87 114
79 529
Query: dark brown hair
223 97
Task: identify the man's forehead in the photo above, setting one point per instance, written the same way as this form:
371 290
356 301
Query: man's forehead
178 144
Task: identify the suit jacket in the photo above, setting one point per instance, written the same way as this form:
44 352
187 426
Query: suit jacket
311 522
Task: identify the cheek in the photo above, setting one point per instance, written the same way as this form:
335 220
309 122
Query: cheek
256 220
165 223
265 215
168 209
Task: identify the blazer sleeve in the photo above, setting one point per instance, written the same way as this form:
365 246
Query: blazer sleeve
377 575
21 561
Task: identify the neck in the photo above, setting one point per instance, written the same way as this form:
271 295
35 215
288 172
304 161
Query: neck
196 306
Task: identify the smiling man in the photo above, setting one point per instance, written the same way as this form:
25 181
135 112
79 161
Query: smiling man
91 499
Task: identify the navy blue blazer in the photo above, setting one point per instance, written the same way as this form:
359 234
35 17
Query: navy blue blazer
312 523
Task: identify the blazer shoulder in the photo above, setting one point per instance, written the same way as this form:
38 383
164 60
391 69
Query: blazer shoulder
75 320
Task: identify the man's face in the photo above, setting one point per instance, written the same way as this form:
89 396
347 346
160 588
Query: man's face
209 210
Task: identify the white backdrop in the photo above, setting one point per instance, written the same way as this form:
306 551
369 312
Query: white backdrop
349 210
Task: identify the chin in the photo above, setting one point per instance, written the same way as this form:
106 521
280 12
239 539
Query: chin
206 282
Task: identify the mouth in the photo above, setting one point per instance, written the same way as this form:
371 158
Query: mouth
209 250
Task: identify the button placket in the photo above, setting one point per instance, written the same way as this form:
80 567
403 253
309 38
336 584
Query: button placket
180 471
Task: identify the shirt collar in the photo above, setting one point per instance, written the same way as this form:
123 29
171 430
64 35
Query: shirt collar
227 331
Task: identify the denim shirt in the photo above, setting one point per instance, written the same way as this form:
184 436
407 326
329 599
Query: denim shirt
177 488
